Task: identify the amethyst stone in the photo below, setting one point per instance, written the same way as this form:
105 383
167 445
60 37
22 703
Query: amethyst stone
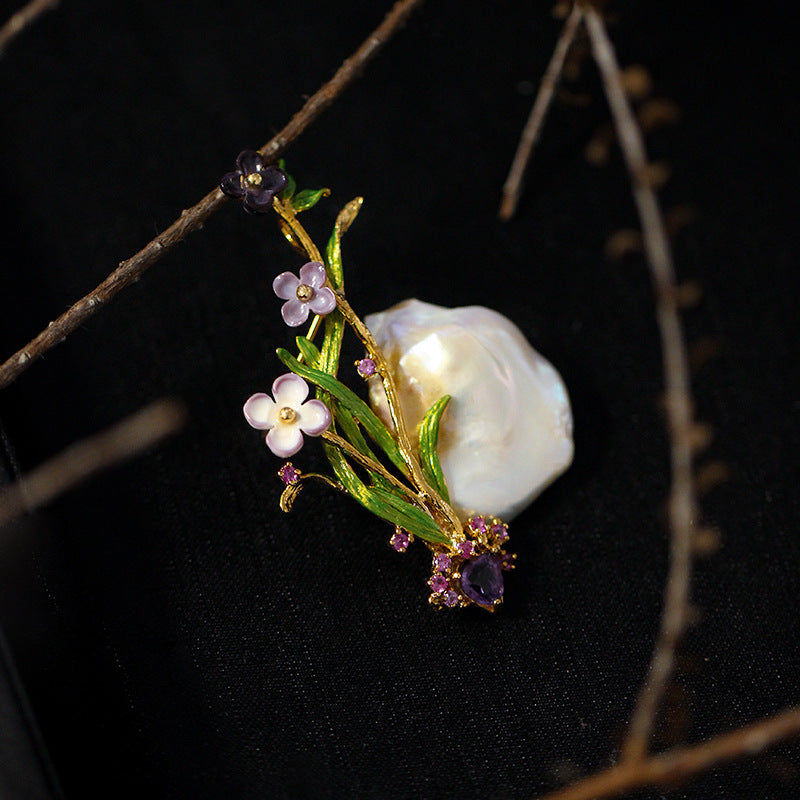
482 579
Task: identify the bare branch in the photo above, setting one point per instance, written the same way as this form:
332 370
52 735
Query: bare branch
683 762
682 503
193 218
533 127
83 459
22 19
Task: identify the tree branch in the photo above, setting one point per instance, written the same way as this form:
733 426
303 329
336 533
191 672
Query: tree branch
193 218
533 127
83 459
682 503
683 762
22 19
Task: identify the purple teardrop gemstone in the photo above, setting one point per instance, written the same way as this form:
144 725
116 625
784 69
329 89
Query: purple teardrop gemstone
482 579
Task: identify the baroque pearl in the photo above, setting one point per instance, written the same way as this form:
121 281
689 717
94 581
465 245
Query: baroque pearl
507 432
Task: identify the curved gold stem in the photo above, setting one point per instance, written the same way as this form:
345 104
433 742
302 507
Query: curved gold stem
374 466
432 501
286 213
290 493
442 512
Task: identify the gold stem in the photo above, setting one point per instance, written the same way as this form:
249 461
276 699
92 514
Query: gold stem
315 326
286 213
442 512
433 502
290 493
373 465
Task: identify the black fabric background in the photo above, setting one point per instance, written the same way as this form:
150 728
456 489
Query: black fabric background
177 635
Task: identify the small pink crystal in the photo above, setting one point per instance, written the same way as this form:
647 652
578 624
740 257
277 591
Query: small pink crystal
399 541
366 367
466 548
288 474
442 562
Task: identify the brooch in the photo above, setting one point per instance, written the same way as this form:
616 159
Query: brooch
466 423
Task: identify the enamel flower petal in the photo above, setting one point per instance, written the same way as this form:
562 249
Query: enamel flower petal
255 181
288 416
313 274
314 417
260 411
305 294
285 285
285 440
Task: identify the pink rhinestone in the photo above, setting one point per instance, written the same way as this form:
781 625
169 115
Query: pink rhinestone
466 548
507 562
288 474
399 541
442 562
450 598
366 367
500 531
438 583
478 524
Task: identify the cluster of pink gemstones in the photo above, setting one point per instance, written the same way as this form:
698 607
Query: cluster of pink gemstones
469 571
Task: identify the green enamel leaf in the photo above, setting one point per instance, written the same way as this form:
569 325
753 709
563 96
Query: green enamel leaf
350 430
308 198
417 521
332 343
333 251
350 401
345 421
382 503
428 447
348 427
291 186
308 350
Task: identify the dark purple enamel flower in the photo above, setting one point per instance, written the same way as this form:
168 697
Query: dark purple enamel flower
254 180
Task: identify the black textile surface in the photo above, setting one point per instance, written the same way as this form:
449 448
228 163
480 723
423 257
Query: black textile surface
177 635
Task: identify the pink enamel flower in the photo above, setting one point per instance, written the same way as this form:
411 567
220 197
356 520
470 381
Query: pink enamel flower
304 294
288 416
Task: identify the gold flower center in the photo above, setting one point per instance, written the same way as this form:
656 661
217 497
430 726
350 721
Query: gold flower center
287 414
253 179
304 292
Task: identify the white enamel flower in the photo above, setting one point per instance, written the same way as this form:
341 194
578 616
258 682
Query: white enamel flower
288 416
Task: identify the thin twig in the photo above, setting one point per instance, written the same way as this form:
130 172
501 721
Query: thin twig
22 19
533 127
683 762
89 456
193 218
682 503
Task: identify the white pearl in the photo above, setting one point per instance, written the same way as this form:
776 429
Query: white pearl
507 432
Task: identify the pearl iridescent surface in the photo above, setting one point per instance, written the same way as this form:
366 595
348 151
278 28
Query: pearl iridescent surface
507 433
